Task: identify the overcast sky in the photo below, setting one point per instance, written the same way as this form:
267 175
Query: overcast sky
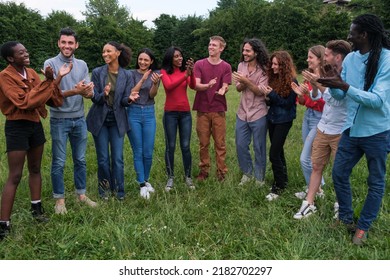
140 9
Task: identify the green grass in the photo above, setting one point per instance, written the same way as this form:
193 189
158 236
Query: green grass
216 221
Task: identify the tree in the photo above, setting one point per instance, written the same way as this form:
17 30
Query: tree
164 34
18 23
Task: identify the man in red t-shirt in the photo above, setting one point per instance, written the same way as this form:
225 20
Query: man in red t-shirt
213 76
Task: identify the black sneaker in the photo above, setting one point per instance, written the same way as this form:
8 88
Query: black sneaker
4 230
38 212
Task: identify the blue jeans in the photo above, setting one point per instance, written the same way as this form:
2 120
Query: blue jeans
309 131
349 152
141 135
171 122
110 167
74 129
245 132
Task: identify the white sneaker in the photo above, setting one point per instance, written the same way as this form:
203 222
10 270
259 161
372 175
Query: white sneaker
302 195
245 179
144 192
260 183
271 196
60 209
305 211
189 183
149 187
336 210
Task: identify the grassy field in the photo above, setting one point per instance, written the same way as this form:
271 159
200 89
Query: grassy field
216 221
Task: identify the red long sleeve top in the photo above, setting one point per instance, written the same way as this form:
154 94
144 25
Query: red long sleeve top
175 86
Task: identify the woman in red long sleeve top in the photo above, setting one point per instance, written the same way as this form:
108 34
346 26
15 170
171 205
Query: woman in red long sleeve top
176 77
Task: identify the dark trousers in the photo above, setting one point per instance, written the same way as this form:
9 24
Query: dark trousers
277 135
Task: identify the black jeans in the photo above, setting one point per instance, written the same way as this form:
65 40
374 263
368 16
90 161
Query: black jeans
277 135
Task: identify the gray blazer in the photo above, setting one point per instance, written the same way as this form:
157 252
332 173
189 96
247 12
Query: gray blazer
98 112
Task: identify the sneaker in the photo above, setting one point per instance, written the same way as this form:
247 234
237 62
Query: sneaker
260 183
305 211
4 230
202 176
87 201
60 209
169 183
320 194
271 196
336 210
360 237
189 183
302 195
245 179
38 212
149 187
144 192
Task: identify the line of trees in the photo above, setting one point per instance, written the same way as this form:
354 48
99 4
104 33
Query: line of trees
292 25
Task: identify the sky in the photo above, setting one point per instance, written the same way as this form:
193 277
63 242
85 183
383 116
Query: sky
140 9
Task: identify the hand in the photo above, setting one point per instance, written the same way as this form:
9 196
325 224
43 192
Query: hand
107 89
84 89
333 79
265 90
134 95
48 73
146 75
300 90
222 90
310 77
65 69
156 78
212 82
238 77
189 66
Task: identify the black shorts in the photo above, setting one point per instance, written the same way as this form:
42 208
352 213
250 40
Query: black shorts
21 135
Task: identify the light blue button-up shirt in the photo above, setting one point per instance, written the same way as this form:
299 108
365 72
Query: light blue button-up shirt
368 111
334 114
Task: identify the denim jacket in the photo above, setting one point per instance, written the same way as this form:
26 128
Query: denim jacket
99 110
281 109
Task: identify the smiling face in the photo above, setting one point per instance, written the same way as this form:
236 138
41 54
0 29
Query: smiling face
275 65
144 61
20 57
248 53
355 37
110 54
313 62
67 45
215 48
177 60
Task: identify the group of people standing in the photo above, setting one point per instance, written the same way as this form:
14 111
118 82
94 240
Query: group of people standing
346 117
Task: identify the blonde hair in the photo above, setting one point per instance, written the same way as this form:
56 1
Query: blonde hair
220 39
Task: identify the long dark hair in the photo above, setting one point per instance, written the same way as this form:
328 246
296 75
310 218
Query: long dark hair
167 63
378 38
124 58
262 56
154 65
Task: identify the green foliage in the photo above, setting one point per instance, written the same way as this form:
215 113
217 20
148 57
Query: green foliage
18 23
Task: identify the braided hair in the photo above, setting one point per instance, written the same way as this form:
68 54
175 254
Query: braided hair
378 38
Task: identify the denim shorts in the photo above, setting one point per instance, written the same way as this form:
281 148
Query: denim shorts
21 135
